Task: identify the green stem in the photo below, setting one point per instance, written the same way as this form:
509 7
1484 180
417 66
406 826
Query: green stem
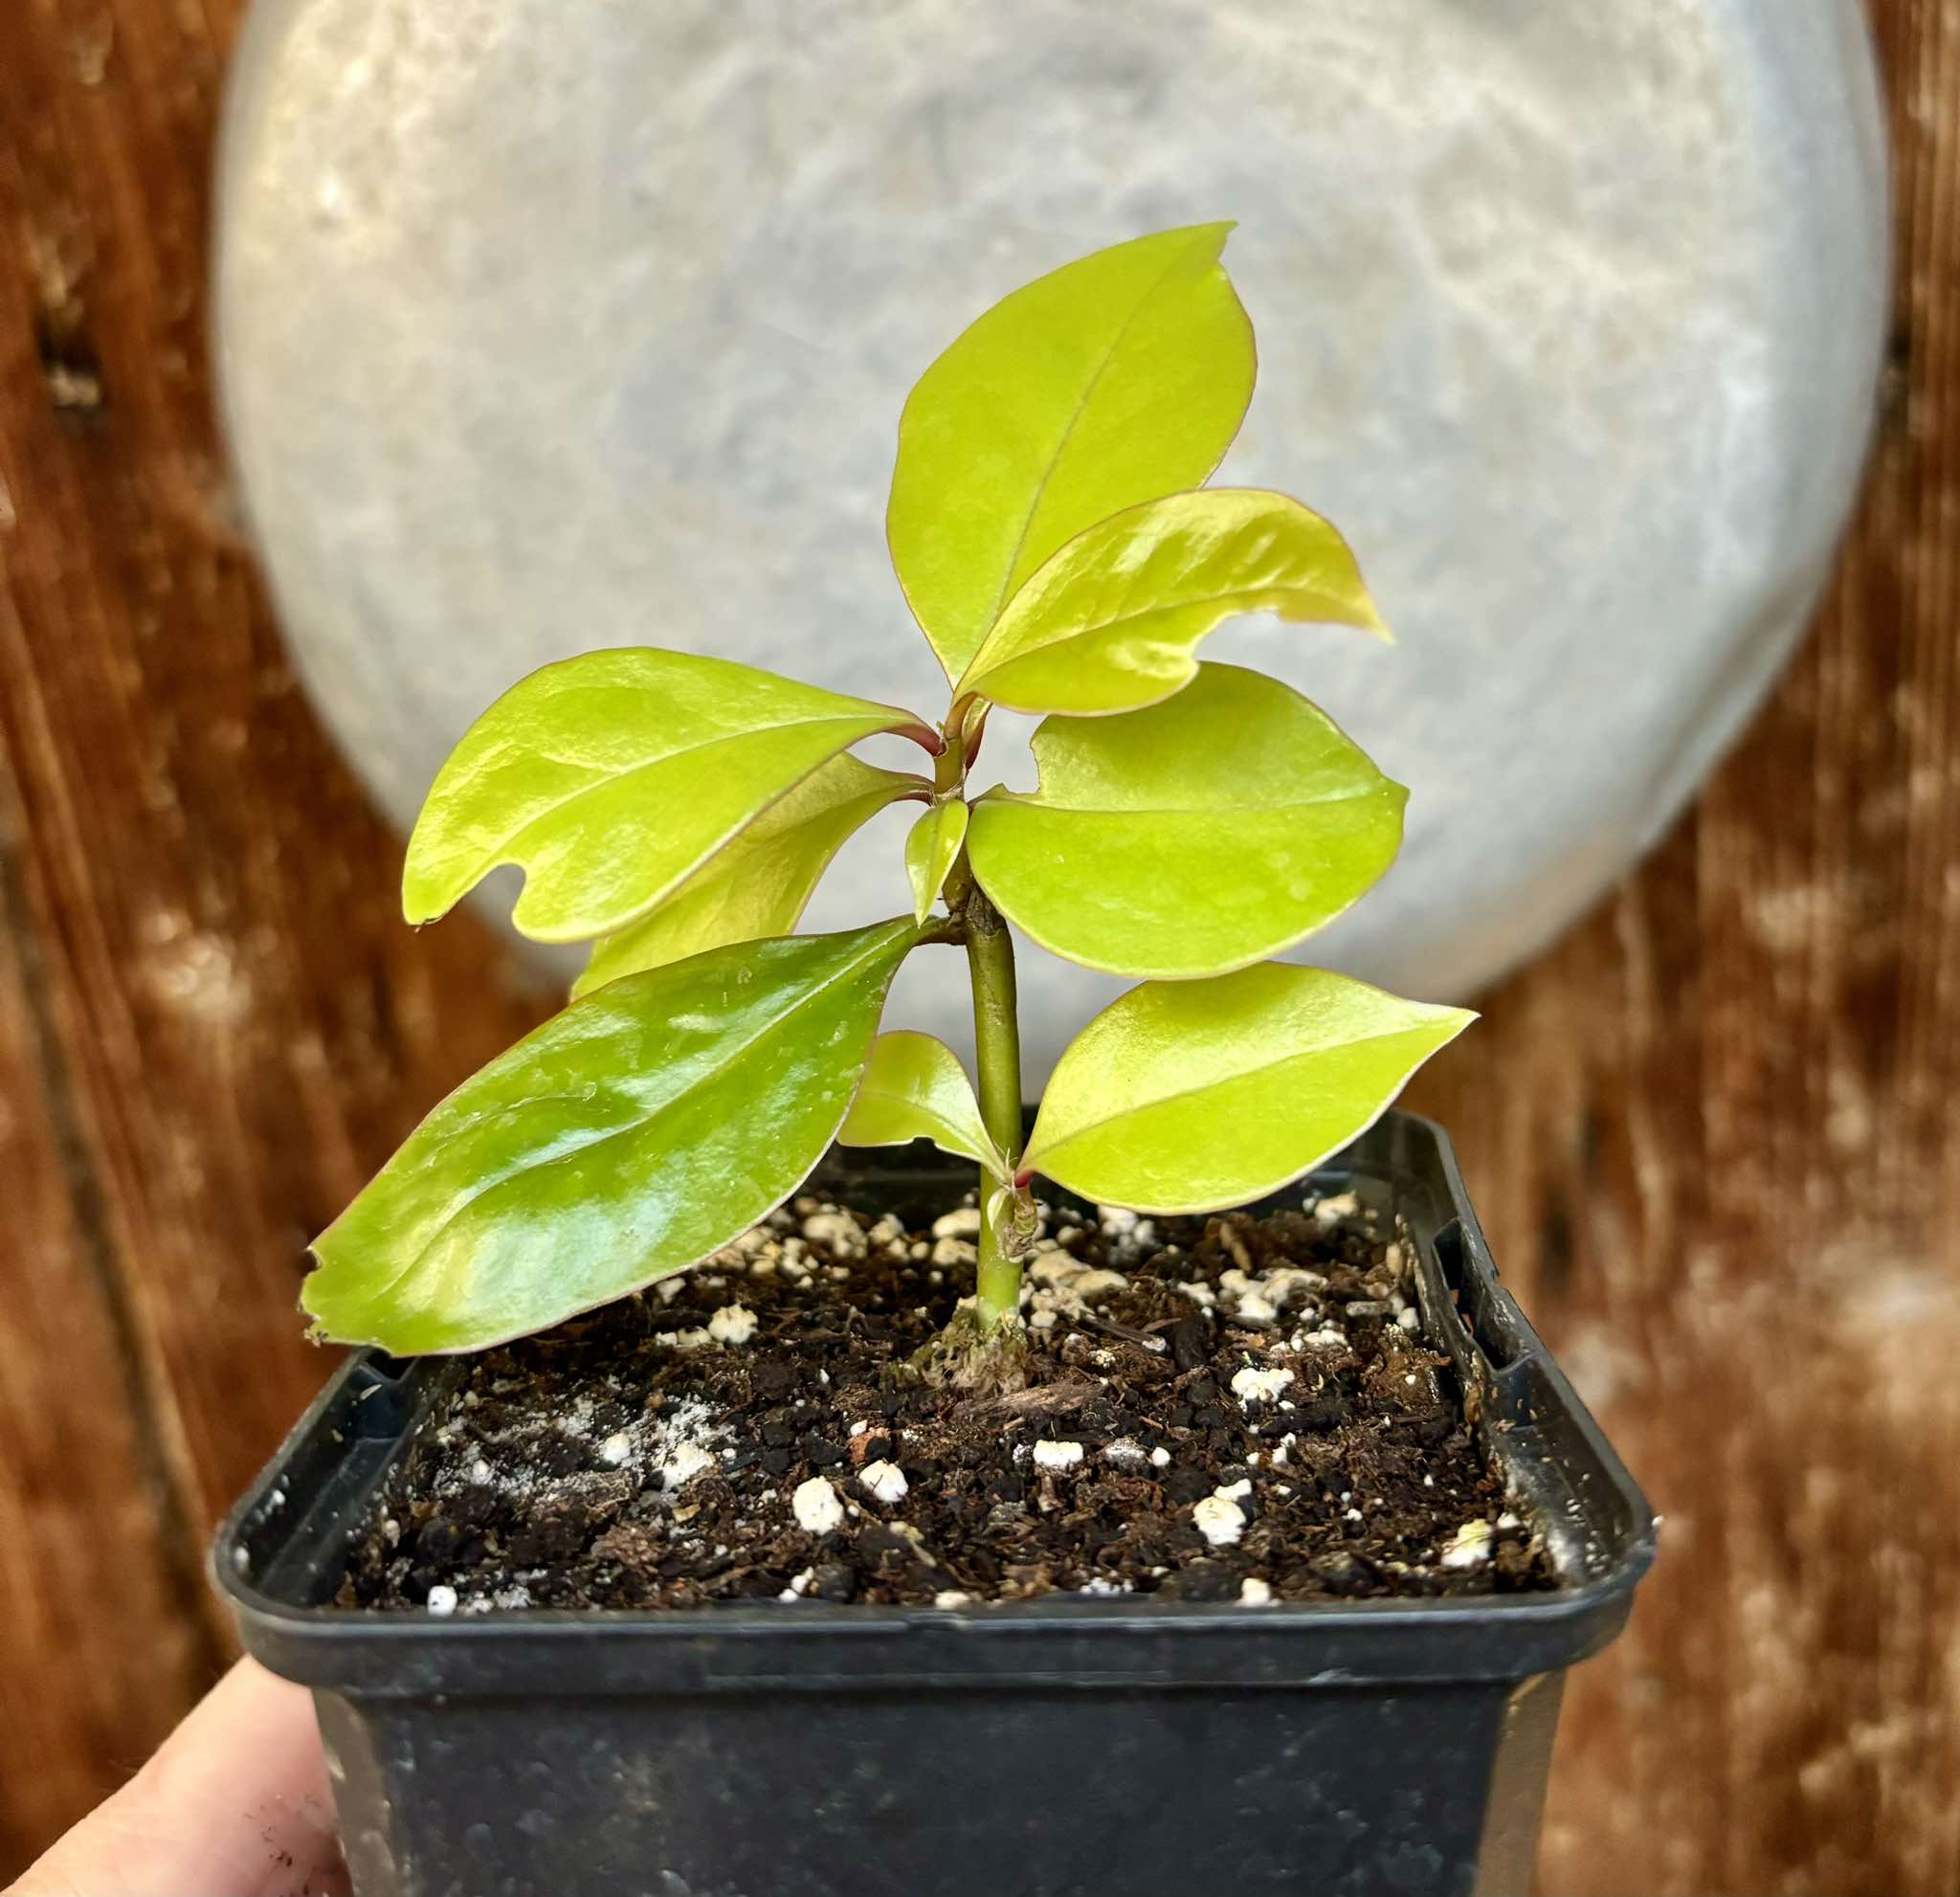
997 1043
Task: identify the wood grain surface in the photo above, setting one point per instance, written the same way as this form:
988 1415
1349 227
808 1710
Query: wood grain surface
1709 1133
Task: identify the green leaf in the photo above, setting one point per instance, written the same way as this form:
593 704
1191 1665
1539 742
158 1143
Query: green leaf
1114 379
1113 619
1190 838
609 778
931 849
627 1138
757 884
915 1089
1195 1096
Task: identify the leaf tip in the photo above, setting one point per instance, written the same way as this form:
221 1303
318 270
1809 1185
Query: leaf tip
1214 235
1451 1024
418 907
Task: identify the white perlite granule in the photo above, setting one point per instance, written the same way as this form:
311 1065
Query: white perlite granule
732 1324
682 1441
1219 1519
1253 1386
837 1230
1058 1455
883 1482
441 1601
685 1461
1470 1546
817 1506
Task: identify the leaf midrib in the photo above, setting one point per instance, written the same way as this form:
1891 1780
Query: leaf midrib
734 860
1090 627
638 1125
1116 342
1153 811
606 780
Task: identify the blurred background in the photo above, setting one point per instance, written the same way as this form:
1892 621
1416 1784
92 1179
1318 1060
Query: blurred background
540 323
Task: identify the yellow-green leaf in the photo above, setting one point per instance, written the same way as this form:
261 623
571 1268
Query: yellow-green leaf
931 849
627 1138
1113 619
1116 378
915 1089
759 881
610 777
1195 1096
1190 838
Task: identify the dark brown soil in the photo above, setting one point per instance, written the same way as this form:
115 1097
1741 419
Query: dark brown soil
650 1454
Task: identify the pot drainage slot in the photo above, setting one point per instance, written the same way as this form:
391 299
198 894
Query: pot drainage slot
1484 1310
377 1405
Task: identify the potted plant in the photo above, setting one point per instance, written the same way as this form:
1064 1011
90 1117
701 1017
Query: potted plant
1153 1493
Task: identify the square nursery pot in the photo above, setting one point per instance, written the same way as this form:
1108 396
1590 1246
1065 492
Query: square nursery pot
1053 1748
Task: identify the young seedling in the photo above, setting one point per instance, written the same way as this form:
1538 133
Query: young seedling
1054 538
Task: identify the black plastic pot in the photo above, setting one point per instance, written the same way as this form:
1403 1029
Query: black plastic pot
1047 1749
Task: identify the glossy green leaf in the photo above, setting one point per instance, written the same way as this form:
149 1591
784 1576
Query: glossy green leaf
1113 619
931 850
757 884
627 1138
915 1089
610 777
1190 838
1194 1096
1114 379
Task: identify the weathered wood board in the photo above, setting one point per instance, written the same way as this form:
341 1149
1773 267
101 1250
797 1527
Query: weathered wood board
1709 1133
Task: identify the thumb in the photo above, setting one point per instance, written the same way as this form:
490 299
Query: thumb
235 1805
